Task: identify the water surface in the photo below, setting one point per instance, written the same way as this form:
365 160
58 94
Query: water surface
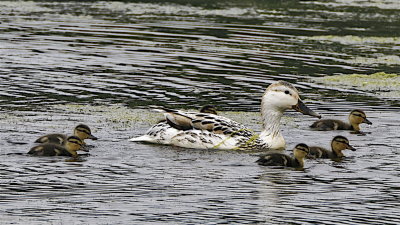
102 63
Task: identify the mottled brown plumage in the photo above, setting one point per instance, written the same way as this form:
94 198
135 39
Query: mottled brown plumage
356 117
82 131
280 159
71 145
209 109
209 131
52 138
183 123
338 144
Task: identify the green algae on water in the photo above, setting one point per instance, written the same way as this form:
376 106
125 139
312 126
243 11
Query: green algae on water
117 115
354 40
385 59
381 83
369 42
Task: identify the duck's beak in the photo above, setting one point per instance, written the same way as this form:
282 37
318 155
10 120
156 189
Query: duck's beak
351 148
92 137
84 149
367 121
301 107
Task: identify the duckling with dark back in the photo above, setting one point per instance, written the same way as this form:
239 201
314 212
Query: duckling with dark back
280 159
356 117
338 144
70 147
82 131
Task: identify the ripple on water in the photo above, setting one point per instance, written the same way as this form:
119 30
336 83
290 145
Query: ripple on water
149 183
64 63
130 62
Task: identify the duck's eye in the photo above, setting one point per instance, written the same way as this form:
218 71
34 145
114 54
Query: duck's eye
287 92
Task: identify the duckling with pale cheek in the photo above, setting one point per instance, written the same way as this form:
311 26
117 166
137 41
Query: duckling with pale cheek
71 145
82 131
356 118
280 159
338 144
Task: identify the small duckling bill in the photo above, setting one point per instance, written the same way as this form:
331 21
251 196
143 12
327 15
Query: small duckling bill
356 117
71 145
280 159
338 144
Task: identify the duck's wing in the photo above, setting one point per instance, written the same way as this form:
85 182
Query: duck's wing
215 124
199 130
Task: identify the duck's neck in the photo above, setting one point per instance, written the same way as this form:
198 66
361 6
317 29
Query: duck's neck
271 134
71 150
337 153
300 162
355 126
298 158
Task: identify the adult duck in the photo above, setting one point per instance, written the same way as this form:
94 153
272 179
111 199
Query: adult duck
209 131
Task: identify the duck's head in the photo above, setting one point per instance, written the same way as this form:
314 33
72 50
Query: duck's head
73 144
208 109
357 117
340 143
301 151
282 96
83 132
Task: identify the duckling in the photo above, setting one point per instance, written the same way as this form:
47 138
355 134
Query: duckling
71 145
279 159
356 117
338 144
209 109
82 131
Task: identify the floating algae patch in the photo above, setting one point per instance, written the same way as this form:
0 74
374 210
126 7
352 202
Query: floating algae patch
12 118
22 6
160 9
243 117
381 84
386 60
380 4
254 118
367 42
117 115
354 40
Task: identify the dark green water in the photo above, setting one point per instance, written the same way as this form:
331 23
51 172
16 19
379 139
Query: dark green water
102 63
